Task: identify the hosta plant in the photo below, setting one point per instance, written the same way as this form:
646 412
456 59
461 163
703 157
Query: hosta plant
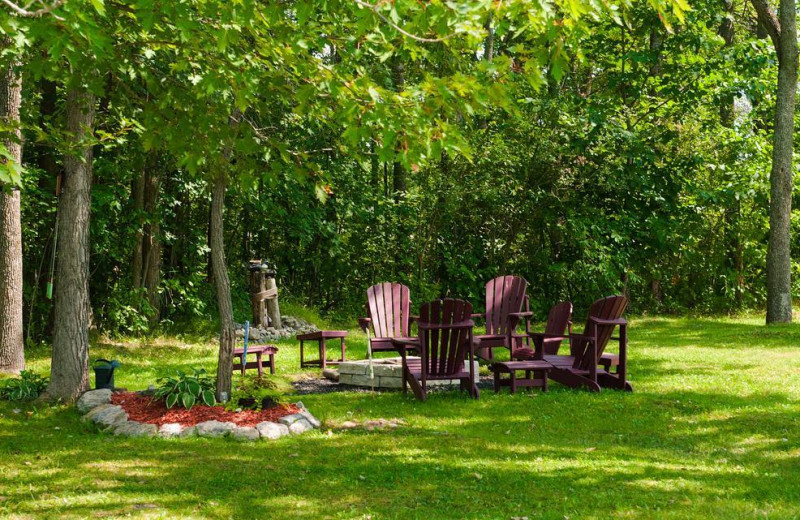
27 386
187 390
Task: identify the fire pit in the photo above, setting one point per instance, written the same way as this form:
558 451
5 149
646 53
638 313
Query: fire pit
388 373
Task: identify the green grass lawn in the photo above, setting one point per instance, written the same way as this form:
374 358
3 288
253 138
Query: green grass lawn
711 431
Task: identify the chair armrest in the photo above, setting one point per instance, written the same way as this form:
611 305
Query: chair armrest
526 314
599 321
547 336
364 323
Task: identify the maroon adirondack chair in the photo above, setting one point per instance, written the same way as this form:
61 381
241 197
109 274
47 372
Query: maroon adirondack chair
388 306
505 296
547 343
445 339
581 367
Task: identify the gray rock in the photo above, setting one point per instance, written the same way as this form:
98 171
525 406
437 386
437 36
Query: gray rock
191 431
313 421
288 420
245 433
107 416
170 430
271 430
214 428
300 426
255 334
136 429
93 399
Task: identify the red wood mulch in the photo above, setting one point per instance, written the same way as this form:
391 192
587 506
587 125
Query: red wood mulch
145 409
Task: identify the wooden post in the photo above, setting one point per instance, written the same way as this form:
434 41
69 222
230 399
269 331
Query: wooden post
264 295
273 309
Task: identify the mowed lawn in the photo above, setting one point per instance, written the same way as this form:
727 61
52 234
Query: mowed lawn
711 431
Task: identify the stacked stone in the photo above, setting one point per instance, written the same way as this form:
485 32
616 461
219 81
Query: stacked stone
291 327
388 373
96 407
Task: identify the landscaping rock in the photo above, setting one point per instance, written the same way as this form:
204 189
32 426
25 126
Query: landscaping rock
331 373
93 399
270 430
107 415
348 425
245 433
170 430
288 420
136 429
188 432
313 421
300 426
214 428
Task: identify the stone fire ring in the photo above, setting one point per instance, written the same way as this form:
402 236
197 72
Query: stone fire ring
388 373
96 407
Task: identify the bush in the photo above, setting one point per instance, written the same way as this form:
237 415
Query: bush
186 390
29 385
256 393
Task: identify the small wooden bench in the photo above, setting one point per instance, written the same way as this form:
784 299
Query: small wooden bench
258 350
321 336
535 374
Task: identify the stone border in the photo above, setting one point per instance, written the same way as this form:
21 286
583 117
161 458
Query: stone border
96 407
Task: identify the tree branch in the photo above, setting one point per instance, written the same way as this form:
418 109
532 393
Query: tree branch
374 9
767 18
26 12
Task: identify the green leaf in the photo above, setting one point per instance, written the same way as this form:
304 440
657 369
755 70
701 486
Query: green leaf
208 397
187 400
171 400
99 6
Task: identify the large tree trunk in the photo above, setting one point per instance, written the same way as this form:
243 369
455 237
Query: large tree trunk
12 356
779 263
223 288
69 371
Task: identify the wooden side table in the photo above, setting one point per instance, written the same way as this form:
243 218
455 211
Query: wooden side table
321 336
535 374
258 350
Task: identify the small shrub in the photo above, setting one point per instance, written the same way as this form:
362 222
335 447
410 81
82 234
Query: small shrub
187 390
256 393
29 385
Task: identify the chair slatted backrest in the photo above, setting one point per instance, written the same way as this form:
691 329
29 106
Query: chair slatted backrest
608 308
444 335
557 323
504 295
389 306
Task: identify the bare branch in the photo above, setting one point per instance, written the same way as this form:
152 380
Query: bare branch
767 18
36 13
374 9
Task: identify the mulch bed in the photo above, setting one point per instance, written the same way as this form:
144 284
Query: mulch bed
145 409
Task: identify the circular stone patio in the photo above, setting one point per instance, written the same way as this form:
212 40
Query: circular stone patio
388 373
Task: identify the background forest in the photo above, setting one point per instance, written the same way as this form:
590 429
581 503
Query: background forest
639 164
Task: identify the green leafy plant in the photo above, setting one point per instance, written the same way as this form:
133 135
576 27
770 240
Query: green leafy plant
253 392
27 386
187 390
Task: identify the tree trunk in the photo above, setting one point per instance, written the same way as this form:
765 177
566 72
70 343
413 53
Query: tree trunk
726 31
12 356
138 207
398 171
151 246
779 262
69 371
223 288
